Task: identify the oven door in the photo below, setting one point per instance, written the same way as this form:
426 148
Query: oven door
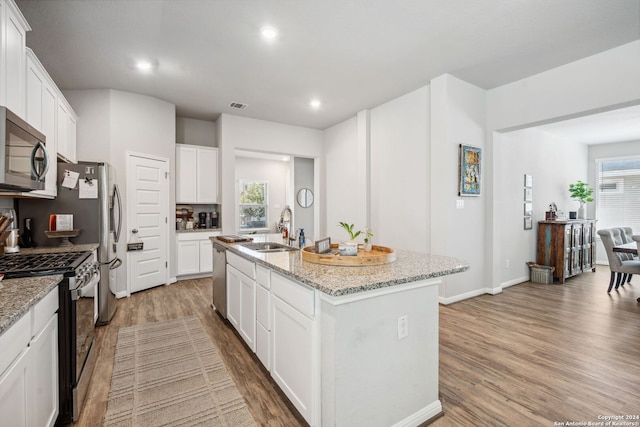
84 299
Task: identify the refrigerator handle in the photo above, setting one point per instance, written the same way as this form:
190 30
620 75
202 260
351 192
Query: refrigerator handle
116 196
115 264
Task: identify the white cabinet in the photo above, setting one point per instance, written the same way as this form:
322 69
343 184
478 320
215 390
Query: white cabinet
293 338
241 297
263 316
41 106
66 127
13 36
44 348
196 174
194 252
29 367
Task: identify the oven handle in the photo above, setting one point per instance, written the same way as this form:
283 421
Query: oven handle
83 291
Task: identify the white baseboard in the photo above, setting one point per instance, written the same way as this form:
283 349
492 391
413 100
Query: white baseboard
461 297
428 412
514 282
121 294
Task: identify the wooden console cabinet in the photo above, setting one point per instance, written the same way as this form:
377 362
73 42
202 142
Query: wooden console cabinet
569 246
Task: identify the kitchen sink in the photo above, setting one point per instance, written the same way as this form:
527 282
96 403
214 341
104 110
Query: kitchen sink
268 247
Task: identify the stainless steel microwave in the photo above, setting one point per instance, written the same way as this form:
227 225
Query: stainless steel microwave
23 156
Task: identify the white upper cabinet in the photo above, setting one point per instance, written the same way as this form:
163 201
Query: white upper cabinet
66 131
196 174
41 106
13 37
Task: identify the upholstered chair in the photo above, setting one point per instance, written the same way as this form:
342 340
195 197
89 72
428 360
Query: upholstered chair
620 267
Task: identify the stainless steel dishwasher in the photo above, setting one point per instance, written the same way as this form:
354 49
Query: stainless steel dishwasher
220 280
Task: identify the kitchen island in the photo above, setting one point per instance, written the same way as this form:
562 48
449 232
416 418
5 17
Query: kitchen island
347 345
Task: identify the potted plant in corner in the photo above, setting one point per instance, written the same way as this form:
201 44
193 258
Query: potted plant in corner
581 191
349 248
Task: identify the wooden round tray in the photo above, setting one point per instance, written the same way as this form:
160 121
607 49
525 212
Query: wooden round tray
376 256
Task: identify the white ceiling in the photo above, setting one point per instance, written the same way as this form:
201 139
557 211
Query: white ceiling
350 54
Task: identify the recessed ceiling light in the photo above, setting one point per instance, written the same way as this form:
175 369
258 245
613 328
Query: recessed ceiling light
268 32
144 65
315 104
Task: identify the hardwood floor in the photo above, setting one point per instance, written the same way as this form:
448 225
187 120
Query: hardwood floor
531 356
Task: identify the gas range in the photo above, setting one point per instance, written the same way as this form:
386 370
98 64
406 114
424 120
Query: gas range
44 264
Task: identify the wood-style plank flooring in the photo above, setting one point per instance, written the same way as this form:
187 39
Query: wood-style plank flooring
531 356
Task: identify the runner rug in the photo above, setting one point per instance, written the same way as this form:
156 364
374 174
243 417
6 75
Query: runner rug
170 374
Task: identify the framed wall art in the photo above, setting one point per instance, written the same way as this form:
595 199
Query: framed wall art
469 175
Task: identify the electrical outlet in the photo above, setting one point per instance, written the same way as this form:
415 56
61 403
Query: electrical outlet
403 327
459 204
507 263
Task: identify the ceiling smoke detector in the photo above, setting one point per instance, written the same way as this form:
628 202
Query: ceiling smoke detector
238 105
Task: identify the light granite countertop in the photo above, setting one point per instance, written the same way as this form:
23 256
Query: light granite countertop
17 296
408 267
199 230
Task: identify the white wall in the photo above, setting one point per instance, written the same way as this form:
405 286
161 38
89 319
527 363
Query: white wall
553 163
110 124
400 172
341 181
195 132
275 173
235 132
457 117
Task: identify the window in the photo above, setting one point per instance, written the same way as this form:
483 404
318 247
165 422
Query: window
618 193
254 203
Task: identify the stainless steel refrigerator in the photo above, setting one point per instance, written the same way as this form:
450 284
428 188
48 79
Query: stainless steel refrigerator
94 200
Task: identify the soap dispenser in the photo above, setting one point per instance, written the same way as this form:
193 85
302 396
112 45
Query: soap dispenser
301 239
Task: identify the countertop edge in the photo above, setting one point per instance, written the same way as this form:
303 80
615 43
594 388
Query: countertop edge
461 267
39 287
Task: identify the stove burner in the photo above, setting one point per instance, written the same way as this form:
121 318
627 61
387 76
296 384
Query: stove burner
21 265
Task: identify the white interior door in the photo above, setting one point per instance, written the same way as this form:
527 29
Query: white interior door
147 212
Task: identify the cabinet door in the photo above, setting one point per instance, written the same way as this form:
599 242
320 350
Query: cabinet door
44 360
14 45
41 113
207 175
576 249
62 119
188 255
588 246
248 311
14 390
292 362
71 137
186 175
233 296
206 256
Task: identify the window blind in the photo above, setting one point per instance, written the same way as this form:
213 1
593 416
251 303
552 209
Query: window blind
618 193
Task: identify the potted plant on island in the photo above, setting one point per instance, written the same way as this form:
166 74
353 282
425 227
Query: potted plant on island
581 191
349 248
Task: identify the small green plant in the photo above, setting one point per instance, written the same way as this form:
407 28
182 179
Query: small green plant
368 234
349 229
581 191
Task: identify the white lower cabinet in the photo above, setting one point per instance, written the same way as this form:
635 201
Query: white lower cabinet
29 375
241 304
194 252
293 339
45 374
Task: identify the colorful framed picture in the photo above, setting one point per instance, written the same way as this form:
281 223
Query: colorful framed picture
469 171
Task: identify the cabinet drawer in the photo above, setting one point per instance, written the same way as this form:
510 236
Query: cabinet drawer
241 264
295 294
195 235
262 276
43 310
14 340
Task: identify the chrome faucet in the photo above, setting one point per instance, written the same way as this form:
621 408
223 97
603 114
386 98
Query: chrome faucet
285 219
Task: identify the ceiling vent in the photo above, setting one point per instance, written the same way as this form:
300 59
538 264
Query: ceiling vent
238 105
